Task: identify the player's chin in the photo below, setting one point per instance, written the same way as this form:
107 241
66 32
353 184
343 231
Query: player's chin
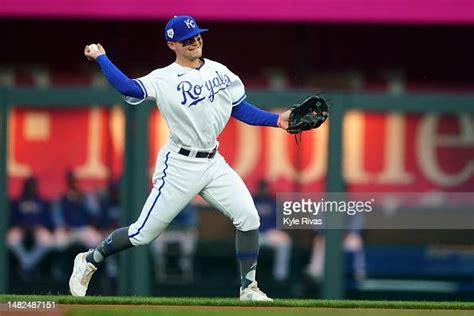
196 53
196 49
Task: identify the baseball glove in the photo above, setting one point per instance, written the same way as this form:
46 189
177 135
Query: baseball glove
308 115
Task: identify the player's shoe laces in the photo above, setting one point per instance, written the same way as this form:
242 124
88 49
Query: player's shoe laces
253 293
81 275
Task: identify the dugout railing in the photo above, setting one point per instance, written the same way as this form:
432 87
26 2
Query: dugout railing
134 188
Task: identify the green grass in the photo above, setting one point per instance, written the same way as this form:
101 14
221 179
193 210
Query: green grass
112 312
203 301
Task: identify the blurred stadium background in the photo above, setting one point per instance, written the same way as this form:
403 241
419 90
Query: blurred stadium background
399 76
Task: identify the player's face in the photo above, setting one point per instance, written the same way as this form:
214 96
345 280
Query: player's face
191 48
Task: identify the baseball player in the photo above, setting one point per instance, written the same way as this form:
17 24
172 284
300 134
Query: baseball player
196 97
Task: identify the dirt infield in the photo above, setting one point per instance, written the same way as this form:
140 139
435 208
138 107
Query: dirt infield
132 310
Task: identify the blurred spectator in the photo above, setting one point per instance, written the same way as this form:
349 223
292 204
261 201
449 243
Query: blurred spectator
30 218
74 215
179 240
353 246
271 237
109 220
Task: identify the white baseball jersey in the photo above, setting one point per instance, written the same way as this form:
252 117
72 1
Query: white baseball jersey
195 103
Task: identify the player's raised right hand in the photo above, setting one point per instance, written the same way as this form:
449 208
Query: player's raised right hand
92 51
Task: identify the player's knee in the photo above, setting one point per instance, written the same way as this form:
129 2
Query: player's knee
141 240
249 221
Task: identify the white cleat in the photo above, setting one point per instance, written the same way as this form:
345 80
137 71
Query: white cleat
81 275
253 293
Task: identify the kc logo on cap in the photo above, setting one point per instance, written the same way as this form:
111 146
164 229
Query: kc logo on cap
182 27
190 23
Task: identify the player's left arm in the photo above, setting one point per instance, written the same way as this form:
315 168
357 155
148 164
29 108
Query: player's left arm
120 81
115 76
250 114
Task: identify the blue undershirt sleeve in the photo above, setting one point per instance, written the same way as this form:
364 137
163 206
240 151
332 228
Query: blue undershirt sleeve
248 113
118 79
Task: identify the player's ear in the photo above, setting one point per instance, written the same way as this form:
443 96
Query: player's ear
171 45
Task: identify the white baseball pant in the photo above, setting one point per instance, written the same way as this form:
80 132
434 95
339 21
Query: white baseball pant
178 179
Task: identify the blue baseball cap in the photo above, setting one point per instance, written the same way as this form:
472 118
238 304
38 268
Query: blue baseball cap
182 27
